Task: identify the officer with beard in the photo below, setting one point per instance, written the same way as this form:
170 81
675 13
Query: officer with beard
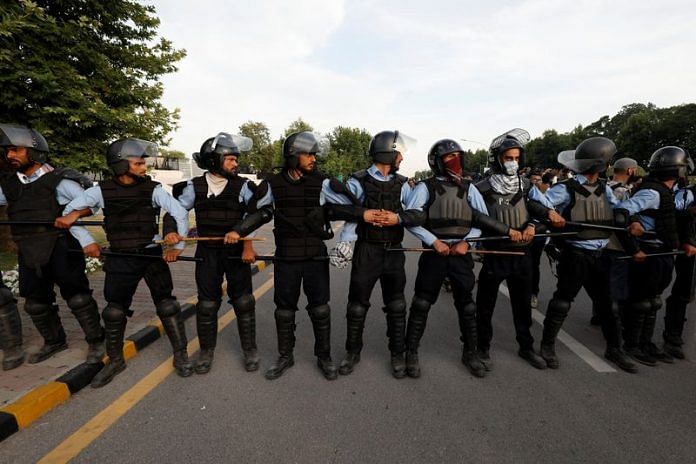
583 198
374 202
131 202
38 192
685 267
293 198
506 195
221 199
653 203
455 212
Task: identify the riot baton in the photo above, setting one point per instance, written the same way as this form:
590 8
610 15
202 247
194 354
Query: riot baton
586 225
507 237
213 239
106 252
477 252
29 222
280 258
650 255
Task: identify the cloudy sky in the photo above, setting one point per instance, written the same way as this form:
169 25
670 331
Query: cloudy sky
432 69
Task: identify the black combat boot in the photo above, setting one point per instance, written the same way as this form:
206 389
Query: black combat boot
355 317
618 357
207 327
86 312
114 329
636 312
285 328
169 313
245 308
556 313
396 332
534 360
467 326
321 324
646 343
10 331
47 322
417 319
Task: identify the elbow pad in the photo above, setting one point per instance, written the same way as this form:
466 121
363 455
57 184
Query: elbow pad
412 218
537 210
168 225
489 224
254 221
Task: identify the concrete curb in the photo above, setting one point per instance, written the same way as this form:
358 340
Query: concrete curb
34 404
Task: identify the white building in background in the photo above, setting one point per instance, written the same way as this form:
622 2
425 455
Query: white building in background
169 171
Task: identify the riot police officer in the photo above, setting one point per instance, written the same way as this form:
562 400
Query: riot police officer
375 200
292 197
584 198
131 202
38 192
221 199
455 211
685 269
653 203
506 195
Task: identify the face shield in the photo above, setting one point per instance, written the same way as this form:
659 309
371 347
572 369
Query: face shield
230 144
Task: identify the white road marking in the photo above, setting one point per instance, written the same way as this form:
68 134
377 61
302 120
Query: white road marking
595 362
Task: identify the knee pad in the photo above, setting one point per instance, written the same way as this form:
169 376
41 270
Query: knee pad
113 313
420 305
244 304
320 312
207 307
80 301
655 304
356 311
168 308
559 306
36 308
285 315
397 306
468 309
6 297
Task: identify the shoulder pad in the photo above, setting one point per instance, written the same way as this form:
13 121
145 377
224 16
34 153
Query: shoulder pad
71 174
251 185
178 188
402 179
483 186
337 186
360 175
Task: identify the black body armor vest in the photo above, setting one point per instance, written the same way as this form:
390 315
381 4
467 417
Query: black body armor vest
217 215
381 195
448 209
294 201
589 204
35 201
665 216
130 220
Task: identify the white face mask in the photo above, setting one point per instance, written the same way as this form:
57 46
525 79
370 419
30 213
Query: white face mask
511 167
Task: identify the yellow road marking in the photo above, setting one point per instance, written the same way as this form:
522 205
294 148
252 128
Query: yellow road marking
89 432
32 405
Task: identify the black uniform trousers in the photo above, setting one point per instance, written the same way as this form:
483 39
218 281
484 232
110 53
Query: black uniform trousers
681 296
310 275
373 262
579 268
516 271
649 278
216 265
65 269
123 274
536 251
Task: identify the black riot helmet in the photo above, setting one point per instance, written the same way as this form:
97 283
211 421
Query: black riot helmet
214 150
514 138
591 156
299 143
13 135
439 150
670 163
385 145
119 151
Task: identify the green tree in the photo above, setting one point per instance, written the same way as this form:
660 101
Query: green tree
261 157
421 175
84 72
348 152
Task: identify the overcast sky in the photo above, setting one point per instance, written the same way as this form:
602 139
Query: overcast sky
432 69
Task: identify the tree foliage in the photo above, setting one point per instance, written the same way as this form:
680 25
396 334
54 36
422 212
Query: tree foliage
637 129
84 72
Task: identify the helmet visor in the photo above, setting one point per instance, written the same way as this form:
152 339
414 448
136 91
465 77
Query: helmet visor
313 143
404 143
17 136
225 143
138 148
521 135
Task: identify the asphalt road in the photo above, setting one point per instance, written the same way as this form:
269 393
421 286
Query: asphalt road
516 414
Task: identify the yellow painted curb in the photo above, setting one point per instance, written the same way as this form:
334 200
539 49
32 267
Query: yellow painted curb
38 402
129 350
